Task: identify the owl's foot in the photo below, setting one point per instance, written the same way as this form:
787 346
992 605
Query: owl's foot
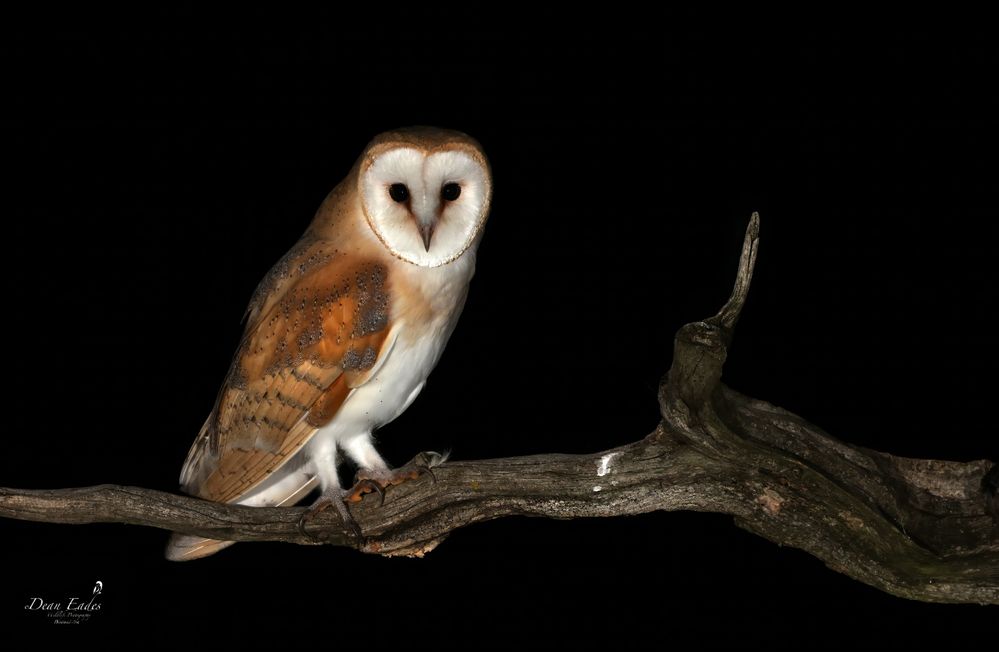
371 480
333 498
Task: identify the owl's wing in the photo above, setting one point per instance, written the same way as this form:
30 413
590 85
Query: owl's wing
318 327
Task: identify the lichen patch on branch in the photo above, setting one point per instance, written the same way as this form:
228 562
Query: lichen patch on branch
604 465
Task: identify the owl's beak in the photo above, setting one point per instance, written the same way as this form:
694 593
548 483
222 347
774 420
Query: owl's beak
427 232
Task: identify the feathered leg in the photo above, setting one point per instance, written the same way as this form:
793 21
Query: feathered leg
324 461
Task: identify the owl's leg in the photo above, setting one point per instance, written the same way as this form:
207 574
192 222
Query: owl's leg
374 474
362 451
324 461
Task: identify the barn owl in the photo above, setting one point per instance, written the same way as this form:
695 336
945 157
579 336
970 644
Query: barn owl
343 332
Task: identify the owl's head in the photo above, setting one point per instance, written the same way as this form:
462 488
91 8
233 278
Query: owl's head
425 193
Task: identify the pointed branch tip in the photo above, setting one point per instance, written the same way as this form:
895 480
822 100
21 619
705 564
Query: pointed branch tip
729 313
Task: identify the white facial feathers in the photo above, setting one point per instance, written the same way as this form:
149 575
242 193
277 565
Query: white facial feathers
426 208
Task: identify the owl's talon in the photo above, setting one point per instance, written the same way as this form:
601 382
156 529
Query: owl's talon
315 510
425 468
368 481
325 502
364 486
427 460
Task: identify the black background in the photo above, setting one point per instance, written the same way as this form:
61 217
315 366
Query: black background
158 165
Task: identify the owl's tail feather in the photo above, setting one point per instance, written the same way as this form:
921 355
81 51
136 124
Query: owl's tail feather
183 547
285 488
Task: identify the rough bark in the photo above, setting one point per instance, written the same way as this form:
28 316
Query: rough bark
921 529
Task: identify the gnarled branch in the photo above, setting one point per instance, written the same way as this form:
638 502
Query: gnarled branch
921 529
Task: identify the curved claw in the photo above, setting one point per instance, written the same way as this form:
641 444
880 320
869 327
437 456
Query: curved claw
426 468
317 508
320 506
365 486
354 527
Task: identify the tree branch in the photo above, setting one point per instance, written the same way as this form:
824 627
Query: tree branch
921 529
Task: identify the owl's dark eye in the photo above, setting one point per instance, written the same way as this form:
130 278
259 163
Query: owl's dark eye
399 192
450 191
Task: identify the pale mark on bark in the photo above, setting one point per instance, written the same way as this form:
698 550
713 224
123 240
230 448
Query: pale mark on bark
604 465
